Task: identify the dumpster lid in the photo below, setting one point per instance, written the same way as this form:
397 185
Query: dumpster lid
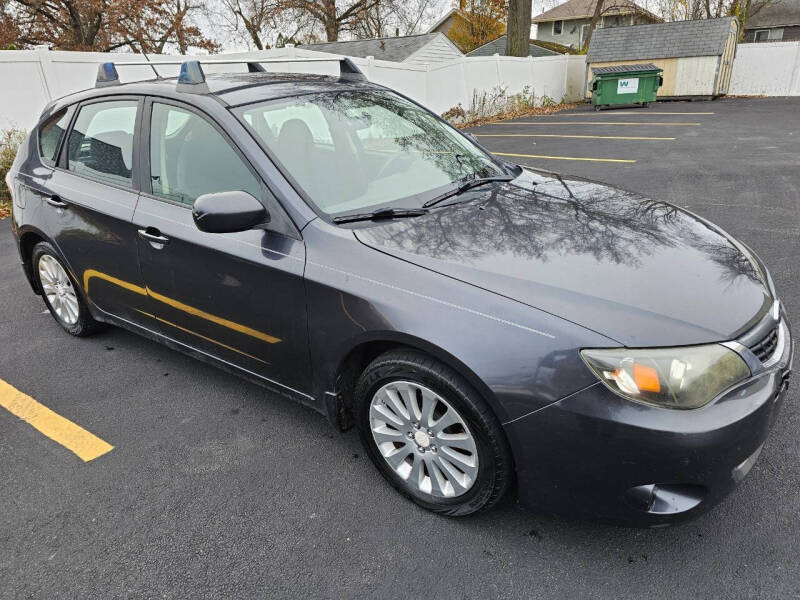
625 69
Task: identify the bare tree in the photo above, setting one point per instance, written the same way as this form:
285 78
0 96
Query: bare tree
598 11
683 10
412 13
104 25
393 17
257 17
334 16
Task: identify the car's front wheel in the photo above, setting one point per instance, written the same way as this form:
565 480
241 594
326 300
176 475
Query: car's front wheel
60 293
431 435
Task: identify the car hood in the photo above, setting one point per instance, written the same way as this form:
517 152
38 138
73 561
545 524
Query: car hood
639 271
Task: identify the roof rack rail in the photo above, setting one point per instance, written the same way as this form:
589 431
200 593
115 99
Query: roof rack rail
193 79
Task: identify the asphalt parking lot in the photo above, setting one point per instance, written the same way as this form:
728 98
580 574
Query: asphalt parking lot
216 488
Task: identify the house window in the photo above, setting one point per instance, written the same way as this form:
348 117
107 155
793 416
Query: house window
762 35
558 27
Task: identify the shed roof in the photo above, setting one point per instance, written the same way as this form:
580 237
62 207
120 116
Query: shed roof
777 13
498 46
706 37
395 49
582 9
625 69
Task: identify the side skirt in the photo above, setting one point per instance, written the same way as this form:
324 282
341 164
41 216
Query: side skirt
273 386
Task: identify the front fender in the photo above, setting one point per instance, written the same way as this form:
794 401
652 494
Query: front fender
519 358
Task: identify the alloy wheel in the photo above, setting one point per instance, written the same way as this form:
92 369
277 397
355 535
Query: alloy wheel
58 289
423 439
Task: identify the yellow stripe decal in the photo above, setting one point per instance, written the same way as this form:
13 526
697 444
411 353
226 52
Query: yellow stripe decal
90 274
73 437
196 312
582 137
201 336
610 160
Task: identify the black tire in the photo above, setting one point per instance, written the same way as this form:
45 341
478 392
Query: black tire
85 324
495 465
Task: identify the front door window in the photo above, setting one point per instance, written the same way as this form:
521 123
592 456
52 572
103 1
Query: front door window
189 158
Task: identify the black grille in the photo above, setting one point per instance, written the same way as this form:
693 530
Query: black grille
764 347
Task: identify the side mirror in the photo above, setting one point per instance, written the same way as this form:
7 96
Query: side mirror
228 212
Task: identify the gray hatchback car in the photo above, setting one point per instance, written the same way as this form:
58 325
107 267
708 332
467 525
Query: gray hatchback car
480 323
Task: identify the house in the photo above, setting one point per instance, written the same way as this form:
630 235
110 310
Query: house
498 46
774 21
454 17
696 56
449 20
568 23
466 30
425 48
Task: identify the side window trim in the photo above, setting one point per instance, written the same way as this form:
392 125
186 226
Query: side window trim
62 165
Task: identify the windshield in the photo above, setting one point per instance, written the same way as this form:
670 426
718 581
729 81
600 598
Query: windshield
363 150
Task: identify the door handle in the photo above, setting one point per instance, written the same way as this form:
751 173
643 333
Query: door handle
153 235
56 201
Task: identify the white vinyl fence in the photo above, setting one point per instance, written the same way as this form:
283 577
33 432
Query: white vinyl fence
766 69
31 78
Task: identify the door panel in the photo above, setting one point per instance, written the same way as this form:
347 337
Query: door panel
236 296
87 206
240 296
97 237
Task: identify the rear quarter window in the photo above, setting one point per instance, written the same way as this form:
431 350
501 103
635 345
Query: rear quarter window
51 132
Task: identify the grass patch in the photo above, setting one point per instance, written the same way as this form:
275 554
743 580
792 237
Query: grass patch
9 143
489 106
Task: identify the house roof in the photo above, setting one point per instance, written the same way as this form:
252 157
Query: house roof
498 46
706 37
395 49
582 9
775 14
625 69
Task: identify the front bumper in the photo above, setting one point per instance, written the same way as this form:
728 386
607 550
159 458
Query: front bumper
596 455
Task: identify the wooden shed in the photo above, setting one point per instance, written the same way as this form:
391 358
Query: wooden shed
696 56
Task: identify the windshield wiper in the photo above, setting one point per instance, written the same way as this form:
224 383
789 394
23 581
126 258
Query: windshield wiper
384 213
467 185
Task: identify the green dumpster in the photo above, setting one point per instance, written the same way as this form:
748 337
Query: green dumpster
625 84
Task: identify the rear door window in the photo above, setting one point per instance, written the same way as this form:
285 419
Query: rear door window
51 133
101 142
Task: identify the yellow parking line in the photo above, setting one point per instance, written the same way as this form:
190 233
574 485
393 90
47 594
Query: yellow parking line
611 160
73 437
546 123
628 114
582 137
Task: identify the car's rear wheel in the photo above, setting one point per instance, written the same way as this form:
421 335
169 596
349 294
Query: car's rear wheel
60 292
431 435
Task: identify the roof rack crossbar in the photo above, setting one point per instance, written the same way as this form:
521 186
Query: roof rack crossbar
191 73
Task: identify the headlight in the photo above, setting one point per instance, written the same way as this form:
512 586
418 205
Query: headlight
684 377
